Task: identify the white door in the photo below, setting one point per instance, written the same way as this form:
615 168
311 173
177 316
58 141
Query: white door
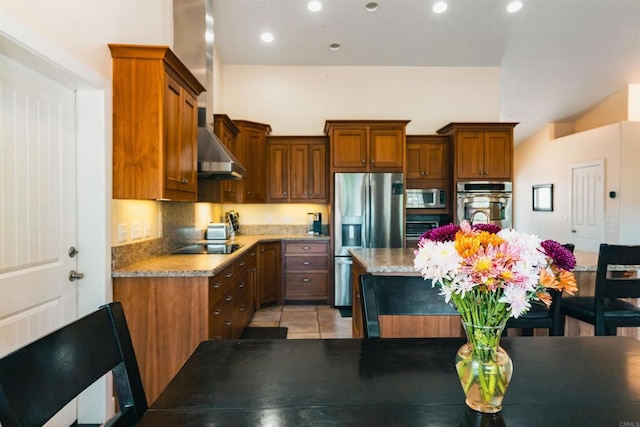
587 205
37 207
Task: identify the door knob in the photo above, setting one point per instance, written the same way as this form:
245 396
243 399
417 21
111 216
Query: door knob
74 275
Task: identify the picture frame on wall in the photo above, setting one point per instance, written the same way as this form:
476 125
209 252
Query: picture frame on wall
542 196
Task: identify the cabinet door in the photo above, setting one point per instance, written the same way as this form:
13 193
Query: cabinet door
189 144
228 138
470 155
386 148
350 148
172 131
434 161
414 161
317 173
278 190
253 151
269 273
180 154
299 172
497 155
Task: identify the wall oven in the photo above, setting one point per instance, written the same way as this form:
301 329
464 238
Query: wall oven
417 224
485 202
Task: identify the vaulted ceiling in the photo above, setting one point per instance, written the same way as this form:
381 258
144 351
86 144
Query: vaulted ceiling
557 58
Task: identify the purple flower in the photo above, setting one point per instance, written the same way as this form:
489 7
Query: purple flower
491 228
444 233
561 256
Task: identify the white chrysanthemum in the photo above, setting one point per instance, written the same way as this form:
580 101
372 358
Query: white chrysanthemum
435 260
528 246
516 297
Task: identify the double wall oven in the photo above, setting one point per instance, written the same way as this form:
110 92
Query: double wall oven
485 202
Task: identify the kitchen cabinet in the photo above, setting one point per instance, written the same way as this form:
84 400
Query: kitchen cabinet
269 274
306 270
227 131
155 121
169 316
251 152
366 146
297 170
427 161
482 151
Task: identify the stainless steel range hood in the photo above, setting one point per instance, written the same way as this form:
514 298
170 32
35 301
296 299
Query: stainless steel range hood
215 161
193 43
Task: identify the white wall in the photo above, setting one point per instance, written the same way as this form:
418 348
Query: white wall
83 28
297 100
542 160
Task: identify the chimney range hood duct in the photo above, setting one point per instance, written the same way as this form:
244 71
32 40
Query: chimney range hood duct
215 161
193 44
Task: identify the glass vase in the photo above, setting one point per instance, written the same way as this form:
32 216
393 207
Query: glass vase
484 368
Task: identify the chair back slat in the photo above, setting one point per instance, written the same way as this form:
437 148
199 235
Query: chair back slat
39 379
608 284
399 296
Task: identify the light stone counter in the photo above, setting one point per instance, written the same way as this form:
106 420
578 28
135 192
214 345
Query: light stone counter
400 261
202 265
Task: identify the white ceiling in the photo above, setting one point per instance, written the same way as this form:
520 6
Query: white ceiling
557 58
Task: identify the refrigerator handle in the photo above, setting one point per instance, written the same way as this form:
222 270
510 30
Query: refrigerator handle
366 234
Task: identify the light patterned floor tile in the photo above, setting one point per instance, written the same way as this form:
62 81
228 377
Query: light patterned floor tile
302 335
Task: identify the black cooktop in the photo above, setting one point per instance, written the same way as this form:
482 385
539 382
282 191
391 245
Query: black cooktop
208 248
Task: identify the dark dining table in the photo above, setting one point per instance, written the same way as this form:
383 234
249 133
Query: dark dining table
557 381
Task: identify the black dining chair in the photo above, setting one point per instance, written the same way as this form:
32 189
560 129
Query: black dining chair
605 310
38 380
400 296
540 316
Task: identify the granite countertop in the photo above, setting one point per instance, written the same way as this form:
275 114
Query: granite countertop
400 261
201 265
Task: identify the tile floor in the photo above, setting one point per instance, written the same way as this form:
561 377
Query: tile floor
305 321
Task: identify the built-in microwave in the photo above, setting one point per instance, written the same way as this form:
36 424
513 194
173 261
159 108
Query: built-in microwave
426 198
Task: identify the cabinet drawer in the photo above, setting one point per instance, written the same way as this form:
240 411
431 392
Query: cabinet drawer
219 318
240 285
240 265
305 248
306 263
306 284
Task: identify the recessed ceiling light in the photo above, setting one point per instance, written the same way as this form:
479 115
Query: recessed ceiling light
439 7
371 6
334 46
266 37
314 6
514 6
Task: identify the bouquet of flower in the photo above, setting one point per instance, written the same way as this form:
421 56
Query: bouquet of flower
491 274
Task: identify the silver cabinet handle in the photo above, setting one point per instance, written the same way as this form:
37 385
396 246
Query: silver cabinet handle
305 263
306 279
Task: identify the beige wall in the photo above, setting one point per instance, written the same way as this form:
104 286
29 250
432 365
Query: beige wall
297 100
544 159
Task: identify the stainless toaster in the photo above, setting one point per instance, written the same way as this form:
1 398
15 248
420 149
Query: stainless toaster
217 231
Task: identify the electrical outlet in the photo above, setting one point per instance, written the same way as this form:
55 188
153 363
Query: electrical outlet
147 229
286 219
136 230
123 234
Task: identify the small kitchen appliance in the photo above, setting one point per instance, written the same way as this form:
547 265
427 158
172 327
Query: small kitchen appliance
426 198
217 231
233 219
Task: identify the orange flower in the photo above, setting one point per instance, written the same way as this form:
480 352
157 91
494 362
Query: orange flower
466 245
567 282
487 239
548 280
545 298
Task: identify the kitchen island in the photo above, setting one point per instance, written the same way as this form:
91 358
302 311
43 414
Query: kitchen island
399 262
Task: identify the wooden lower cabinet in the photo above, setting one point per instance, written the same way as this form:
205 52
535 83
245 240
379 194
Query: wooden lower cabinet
269 278
402 326
169 316
306 270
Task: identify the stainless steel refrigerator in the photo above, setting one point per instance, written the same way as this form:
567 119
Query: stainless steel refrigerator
367 213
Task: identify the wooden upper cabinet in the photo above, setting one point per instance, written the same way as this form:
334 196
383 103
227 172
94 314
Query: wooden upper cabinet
482 151
252 152
154 124
227 131
363 146
427 161
297 169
